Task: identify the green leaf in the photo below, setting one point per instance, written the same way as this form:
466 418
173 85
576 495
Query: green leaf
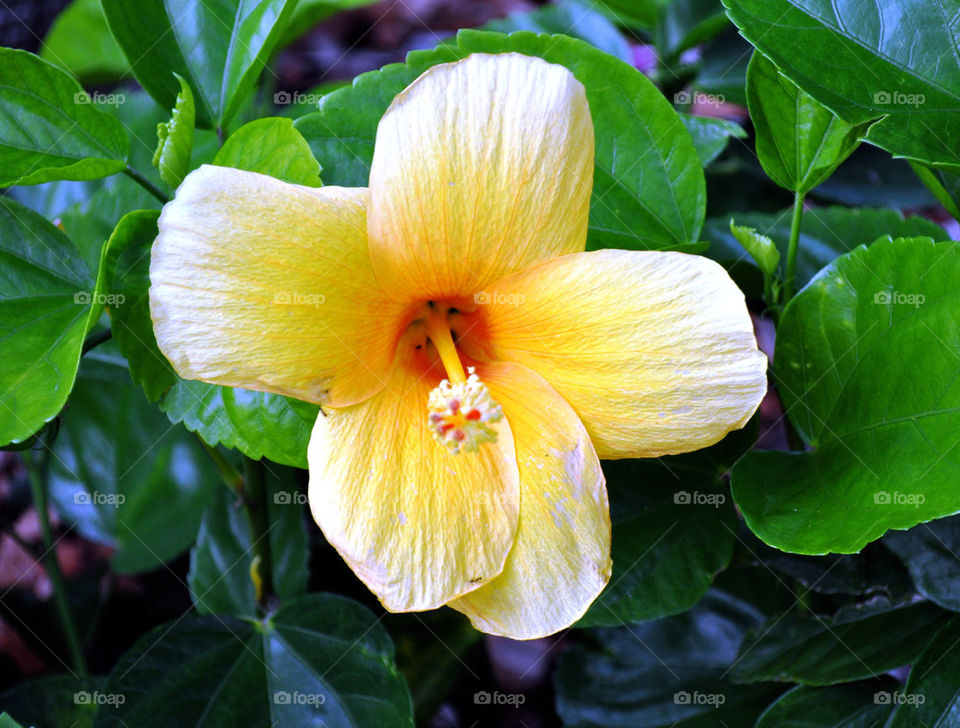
825 234
686 23
256 423
642 14
48 302
929 551
568 17
80 42
723 67
271 146
825 651
881 425
944 185
146 476
840 706
219 575
7 722
930 697
799 141
852 58
669 542
669 673
711 136
761 248
175 138
648 187
872 178
219 48
58 700
320 660
49 129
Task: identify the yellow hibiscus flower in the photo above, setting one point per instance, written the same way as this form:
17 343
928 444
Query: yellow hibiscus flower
472 361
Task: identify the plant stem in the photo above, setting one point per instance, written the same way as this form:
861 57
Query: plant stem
228 474
94 340
792 249
38 488
255 501
146 184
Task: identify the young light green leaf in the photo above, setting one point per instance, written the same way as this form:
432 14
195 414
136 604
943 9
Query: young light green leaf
271 146
49 300
868 368
49 129
799 141
649 190
761 248
219 48
175 138
896 61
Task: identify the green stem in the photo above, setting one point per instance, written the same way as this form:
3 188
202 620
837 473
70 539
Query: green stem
228 474
94 340
792 249
255 501
146 184
38 488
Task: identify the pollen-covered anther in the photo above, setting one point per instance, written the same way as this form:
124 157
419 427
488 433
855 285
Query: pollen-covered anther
460 414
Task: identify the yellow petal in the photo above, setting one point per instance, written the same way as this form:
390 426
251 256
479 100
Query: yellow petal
265 285
418 524
481 168
560 561
654 351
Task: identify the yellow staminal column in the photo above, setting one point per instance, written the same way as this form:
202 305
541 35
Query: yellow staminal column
460 408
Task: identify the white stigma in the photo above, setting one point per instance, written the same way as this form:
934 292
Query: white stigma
460 414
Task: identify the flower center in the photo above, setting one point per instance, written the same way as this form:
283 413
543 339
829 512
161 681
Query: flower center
460 409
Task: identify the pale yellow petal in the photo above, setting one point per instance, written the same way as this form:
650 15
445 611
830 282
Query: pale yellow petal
265 285
418 524
481 167
560 561
655 351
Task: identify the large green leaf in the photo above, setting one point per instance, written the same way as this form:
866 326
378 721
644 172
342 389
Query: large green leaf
824 651
219 575
868 367
929 551
80 42
49 129
895 60
840 706
668 673
799 141
49 300
825 234
648 186
256 423
271 146
930 697
56 701
568 17
322 660
146 488
219 47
